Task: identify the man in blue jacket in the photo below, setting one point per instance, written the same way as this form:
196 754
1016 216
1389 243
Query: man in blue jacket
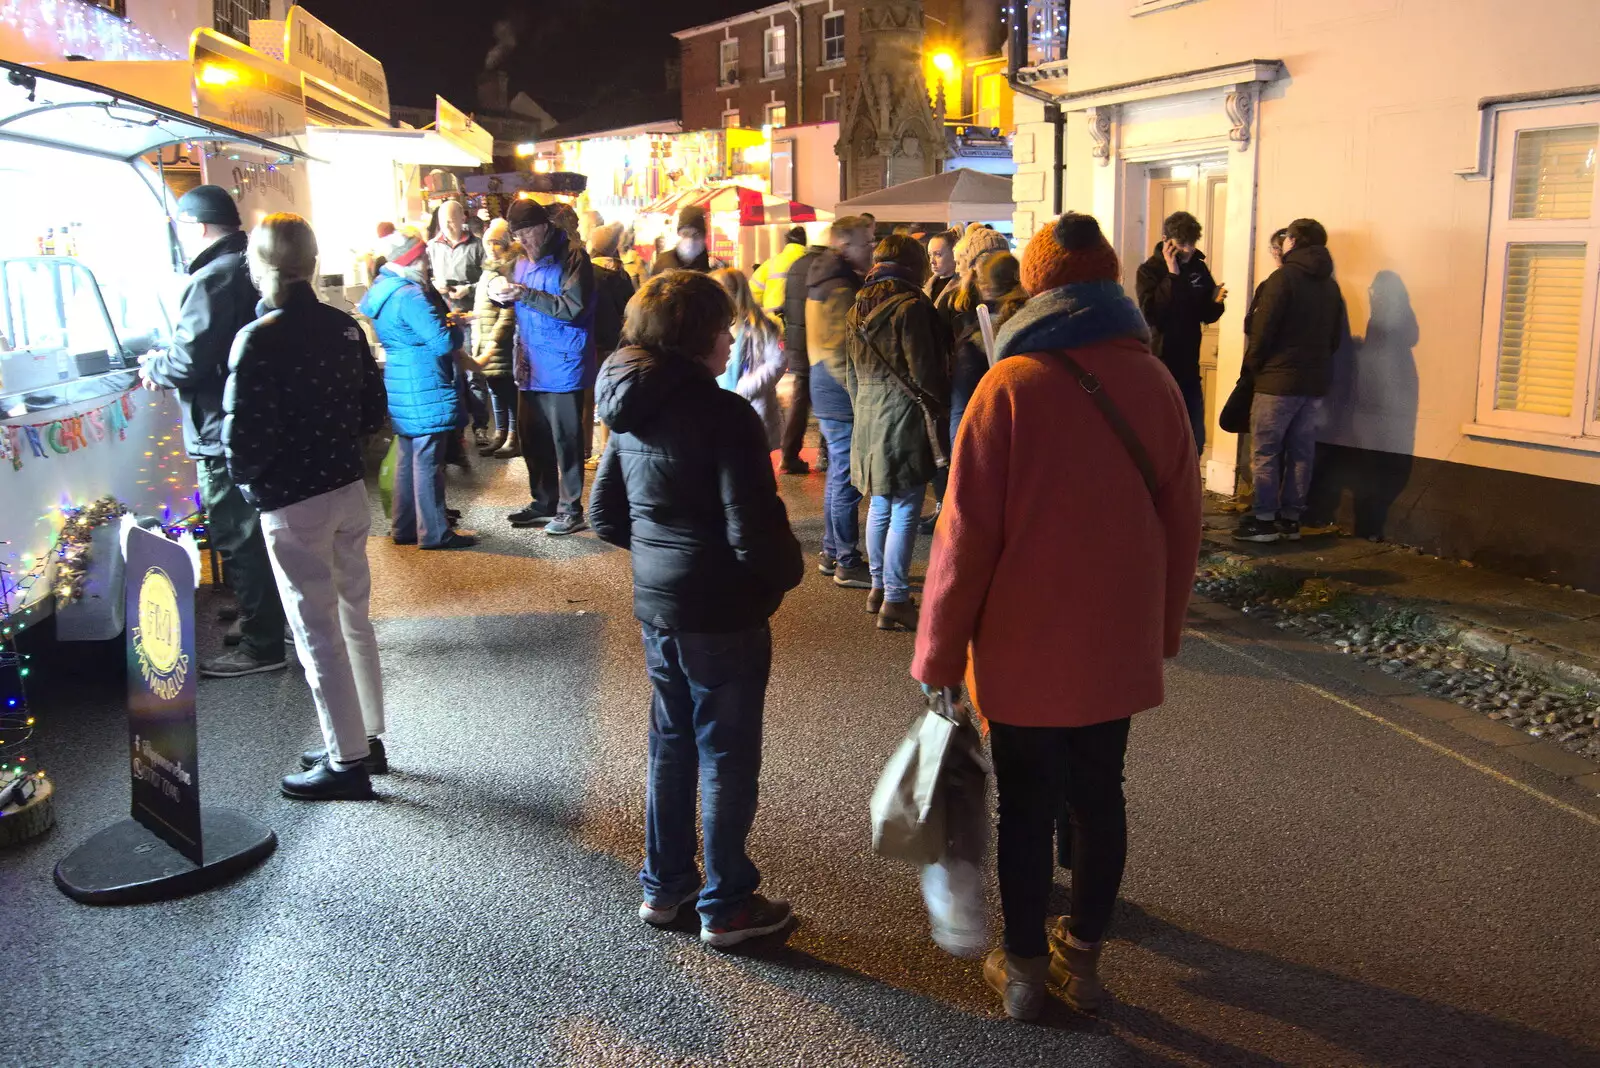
219 301
553 289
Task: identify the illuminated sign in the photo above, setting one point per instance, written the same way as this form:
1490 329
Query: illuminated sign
314 48
241 88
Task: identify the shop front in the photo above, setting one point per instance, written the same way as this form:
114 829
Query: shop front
90 272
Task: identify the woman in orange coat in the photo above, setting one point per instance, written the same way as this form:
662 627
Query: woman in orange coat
1059 582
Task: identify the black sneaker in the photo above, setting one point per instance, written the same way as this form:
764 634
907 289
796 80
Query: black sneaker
234 634
322 783
758 917
376 761
562 525
529 517
795 467
1259 530
826 564
455 540
853 578
227 613
232 665
1288 529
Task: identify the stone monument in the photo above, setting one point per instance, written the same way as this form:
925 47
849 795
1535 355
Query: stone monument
889 132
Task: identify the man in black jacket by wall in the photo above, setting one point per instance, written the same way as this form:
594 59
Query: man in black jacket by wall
686 484
1179 298
219 301
1296 326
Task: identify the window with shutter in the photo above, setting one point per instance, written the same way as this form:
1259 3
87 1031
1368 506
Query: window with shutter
1540 372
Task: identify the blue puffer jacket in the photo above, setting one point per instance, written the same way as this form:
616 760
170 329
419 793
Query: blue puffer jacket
418 371
555 319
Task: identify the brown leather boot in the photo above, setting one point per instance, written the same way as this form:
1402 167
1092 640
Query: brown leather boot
898 615
512 447
875 602
1022 982
1076 971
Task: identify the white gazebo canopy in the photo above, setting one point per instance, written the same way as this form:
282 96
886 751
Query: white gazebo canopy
954 196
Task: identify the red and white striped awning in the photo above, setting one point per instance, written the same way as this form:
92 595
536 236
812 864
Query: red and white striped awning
754 207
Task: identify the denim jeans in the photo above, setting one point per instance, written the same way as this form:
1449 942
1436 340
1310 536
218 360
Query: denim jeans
1037 770
1283 432
1194 399
705 730
235 528
503 395
891 540
419 490
841 516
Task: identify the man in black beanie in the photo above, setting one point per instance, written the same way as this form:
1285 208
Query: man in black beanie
691 253
219 301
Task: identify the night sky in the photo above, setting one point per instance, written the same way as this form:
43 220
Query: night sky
569 54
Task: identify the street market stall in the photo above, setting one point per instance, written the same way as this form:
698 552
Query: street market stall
747 225
954 197
89 276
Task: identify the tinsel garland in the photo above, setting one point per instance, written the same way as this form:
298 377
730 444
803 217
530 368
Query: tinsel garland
72 547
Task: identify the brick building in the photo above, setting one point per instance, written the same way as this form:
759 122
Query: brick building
762 69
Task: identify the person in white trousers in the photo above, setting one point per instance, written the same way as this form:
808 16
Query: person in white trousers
302 393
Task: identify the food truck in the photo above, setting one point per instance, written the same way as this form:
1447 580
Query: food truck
90 270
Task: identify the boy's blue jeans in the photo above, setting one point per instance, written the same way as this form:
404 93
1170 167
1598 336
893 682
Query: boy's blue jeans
705 731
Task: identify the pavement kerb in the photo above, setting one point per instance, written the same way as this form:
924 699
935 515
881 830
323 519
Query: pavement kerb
1475 639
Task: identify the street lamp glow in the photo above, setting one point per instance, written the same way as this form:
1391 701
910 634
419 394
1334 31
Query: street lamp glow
944 62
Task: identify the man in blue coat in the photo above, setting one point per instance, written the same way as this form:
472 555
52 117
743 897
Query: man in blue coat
554 293
421 351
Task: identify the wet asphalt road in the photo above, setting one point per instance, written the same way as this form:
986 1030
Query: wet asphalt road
1307 885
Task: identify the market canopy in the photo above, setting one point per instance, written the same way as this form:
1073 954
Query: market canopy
960 195
753 207
510 182
39 108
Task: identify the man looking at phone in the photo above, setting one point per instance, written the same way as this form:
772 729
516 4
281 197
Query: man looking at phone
1179 297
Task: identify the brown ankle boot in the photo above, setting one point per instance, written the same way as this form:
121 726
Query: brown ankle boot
875 602
898 615
511 448
1022 982
1076 971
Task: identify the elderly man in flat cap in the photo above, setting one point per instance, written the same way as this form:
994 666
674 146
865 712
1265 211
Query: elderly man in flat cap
219 301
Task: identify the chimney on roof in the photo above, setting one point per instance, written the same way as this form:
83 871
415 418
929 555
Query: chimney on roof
493 92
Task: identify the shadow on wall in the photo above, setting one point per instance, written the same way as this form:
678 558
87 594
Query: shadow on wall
1372 405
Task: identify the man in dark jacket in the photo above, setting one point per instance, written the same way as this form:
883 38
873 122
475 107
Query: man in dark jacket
219 301
553 290
794 347
691 253
1179 297
686 484
832 282
613 288
1297 325
303 393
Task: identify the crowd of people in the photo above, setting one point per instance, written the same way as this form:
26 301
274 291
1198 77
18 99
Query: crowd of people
1057 422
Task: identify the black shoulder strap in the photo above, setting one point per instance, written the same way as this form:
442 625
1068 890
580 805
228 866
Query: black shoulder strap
1119 423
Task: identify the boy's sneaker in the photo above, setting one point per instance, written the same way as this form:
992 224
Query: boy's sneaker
758 917
666 915
562 525
1258 530
826 564
1288 529
529 517
240 662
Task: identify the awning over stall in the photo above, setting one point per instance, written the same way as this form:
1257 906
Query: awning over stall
753 207
40 108
954 196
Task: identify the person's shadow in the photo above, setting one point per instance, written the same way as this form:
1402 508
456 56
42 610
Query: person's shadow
1370 417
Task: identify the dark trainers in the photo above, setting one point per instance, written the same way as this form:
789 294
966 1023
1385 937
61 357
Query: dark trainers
898 615
234 634
758 917
853 578
795 467
666 915
529 517
562 525
874 602
456 539
322 783
826 564
1288 529
239 662
1260 530
376 761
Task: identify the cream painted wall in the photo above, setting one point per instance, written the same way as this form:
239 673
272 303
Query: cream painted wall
172 21
1366 132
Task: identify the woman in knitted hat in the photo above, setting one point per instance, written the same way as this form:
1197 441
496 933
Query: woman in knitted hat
1058 584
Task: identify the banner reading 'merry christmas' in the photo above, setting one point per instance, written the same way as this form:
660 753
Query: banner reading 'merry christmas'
30 442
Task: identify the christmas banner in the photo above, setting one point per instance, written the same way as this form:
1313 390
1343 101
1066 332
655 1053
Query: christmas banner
20 442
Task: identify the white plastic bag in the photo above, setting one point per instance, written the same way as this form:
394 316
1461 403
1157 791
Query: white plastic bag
906 822
952 886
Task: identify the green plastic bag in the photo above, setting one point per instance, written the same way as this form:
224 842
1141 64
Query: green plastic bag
386 477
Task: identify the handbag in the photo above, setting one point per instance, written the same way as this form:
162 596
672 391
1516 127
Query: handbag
925 403
907 821
1235 414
